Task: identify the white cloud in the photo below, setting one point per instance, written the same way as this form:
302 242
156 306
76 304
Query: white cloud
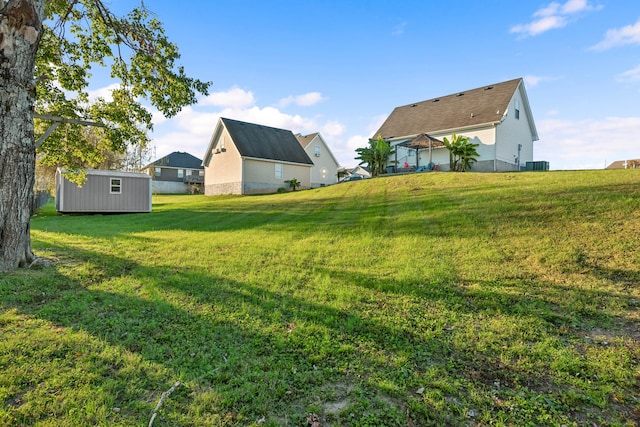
531 80
332 128
304 100
586 144
234 98
103 92
191 129
632 75
629 34
575 6
554 15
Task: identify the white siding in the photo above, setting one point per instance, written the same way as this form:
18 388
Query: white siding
513 131
325 169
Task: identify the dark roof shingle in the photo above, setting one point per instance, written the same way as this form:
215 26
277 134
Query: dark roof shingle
264 142
178 159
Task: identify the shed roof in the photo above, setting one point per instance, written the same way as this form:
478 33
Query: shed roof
112 173
265 142
423 141
483 105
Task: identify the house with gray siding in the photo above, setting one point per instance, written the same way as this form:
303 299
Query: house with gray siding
105 191
176 173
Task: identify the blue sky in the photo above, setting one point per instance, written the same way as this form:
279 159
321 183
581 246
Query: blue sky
340 67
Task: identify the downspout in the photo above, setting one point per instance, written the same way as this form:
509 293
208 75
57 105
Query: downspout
242 174
495 148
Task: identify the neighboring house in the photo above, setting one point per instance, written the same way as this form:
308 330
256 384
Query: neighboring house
247 158
325 166
176 173
105 191
360 171
497 117
625 164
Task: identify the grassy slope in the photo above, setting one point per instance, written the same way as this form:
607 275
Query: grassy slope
425 299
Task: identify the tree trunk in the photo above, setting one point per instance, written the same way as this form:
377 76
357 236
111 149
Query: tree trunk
20 32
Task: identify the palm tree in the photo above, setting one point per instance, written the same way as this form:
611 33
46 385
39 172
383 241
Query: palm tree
468 155
375 155
293 183
462 153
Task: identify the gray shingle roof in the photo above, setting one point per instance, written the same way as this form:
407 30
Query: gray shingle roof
264 142
178 159
625 164
473 107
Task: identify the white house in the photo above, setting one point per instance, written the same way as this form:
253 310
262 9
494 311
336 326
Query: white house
325 166
497 117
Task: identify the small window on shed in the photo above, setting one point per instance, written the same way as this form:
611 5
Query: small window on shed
115 186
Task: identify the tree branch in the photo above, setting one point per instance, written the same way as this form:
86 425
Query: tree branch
164 396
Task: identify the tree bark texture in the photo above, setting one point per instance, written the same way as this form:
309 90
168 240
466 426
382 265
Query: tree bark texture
20 32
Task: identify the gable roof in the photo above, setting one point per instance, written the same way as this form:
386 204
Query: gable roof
264 142
305 140
624 164
483 105
178 159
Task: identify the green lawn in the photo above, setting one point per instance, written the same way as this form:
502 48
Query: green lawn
415 300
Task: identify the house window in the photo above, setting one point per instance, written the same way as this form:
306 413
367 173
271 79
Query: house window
517 109
279 170
316 151
180 173
115 186
158 171
200 173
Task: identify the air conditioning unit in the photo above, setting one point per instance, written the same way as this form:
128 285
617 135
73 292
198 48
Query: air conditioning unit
218 151
317 154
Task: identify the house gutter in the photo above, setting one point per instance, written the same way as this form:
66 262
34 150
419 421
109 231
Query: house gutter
447 131
275 161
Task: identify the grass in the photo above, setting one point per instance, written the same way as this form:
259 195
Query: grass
424 299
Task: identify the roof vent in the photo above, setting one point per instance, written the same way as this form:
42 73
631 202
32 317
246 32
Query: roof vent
472 115
488 87
413 105
461 94
436 100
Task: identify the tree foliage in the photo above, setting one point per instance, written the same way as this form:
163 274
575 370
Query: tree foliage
49 50
83 36
462 152
376 155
